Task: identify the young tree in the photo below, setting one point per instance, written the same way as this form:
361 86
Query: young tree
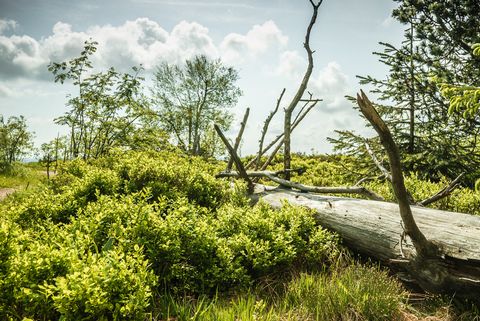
191 98
15 139
108 108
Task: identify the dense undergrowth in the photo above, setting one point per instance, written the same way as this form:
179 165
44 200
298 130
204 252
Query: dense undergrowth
154 236
338 170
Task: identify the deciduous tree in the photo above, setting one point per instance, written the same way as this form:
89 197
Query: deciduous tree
191 98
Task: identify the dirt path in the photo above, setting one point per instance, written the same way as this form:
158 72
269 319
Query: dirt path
5 191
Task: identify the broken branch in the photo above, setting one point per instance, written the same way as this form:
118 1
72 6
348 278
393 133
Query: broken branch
443 192
236 159
307 188
239 137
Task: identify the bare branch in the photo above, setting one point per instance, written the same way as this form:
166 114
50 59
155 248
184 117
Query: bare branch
301 89
422 245
380 166
239 138
384 171
443 192
236 159
265 129
306 188
297 120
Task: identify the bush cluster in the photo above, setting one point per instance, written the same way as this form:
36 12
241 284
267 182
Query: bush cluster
104 238
338 171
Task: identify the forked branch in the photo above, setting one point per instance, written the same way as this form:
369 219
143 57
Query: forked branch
422 245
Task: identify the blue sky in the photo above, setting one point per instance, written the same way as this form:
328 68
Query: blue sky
262 39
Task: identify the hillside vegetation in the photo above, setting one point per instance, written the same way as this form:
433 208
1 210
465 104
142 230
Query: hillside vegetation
153 236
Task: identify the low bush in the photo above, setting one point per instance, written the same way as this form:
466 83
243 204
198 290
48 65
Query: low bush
101 237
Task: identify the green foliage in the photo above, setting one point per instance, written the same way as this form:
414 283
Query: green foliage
110 110
191 98
463 99
358 293
355 293
102 236
340 170
15 141
436 43
19 176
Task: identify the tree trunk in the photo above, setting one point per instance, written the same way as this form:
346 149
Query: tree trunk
374 228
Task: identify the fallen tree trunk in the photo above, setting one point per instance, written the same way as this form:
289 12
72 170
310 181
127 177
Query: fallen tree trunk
374 228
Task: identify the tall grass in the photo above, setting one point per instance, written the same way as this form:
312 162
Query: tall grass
19 176
355 293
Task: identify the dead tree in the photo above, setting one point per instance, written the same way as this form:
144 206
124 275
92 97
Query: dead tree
301 90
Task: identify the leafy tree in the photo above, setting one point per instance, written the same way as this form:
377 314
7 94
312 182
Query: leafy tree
108 109
15 139
52 152
191 98
437 43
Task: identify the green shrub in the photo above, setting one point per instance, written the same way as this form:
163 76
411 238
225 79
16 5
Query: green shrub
338 171
111 285
93 243
172 176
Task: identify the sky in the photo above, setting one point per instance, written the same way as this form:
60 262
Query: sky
262 39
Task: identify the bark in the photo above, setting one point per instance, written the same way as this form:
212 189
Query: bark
422 245
236 159
301 90
375 229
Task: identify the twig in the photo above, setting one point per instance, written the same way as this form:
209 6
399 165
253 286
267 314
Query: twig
380 166
265 129
444 192
239 138
297 121
384 171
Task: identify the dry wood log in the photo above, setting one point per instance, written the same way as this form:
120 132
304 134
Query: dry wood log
375 229
306 188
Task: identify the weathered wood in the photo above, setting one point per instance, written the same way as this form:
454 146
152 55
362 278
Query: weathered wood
236 159
423 246
375 228
287 124
306 188
444 192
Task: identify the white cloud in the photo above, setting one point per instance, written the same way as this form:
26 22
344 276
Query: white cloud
331 84
6 91
258 40
141 41
291 65
7 25
388 22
